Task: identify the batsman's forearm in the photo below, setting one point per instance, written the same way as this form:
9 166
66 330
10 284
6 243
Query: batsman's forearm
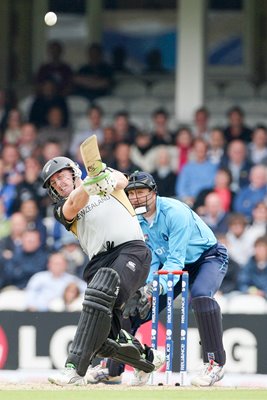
75 202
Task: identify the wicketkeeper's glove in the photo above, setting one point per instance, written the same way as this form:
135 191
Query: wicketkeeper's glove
102 184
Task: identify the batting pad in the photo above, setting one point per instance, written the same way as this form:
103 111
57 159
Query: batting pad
95 320
209 321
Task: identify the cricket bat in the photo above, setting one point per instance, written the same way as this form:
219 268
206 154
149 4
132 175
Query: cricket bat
91 156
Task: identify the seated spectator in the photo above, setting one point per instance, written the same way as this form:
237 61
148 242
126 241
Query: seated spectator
201 127
12 243
12 132
240 247
95 127
95 78
163 174
221 188
142 153
76 258
29 208
124 130
7 190
160 132
71 300
55 129
46 98
45 286
23 263
56 69
28 142
214 215
107 147
5 228
236 161
236 128
153 61
257 148
13 167
258 225
122 159
196 175
50 149
184 144
119 61
253 277
216 143
230 281
255 192
31 186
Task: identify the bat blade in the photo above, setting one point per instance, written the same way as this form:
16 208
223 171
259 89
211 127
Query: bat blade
91 156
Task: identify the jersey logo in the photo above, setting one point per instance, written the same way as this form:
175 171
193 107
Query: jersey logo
165 237
131 265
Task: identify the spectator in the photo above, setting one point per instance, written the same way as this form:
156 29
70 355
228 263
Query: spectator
142 153
12 132
240 247
50 149
31 186
153 61
46 98
7 191
258 226
76 258
236 161
28 142
163 174
236 128
221 187
4 221
119 60
13 166
95 127
201 124
29 209
161 133
12 243
196 175
123 162
24 262
106 148
253 277
55 129
184 144
255 192
45 286
94 79
124 130
216 142
56 69
71 300
257 149
214 215
230 281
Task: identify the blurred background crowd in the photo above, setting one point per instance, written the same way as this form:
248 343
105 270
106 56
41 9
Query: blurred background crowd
218 168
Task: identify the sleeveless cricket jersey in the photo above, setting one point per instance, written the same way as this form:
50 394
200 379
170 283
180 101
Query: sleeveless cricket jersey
105 221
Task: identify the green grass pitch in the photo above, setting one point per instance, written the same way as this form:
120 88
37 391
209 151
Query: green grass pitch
113 393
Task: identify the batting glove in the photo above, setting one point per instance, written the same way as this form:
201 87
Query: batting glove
102 184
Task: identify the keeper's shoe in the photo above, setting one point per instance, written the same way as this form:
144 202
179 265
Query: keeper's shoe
211 373
98 374
68 376
141 377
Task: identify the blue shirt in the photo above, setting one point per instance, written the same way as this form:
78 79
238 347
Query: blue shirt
177 236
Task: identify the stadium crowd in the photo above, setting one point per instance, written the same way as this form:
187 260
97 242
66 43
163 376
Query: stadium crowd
219 171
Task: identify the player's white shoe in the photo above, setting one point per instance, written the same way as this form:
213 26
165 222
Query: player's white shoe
141 377
211 373
99 374
68 376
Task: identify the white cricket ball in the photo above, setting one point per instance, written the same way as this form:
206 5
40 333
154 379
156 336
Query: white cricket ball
50 18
